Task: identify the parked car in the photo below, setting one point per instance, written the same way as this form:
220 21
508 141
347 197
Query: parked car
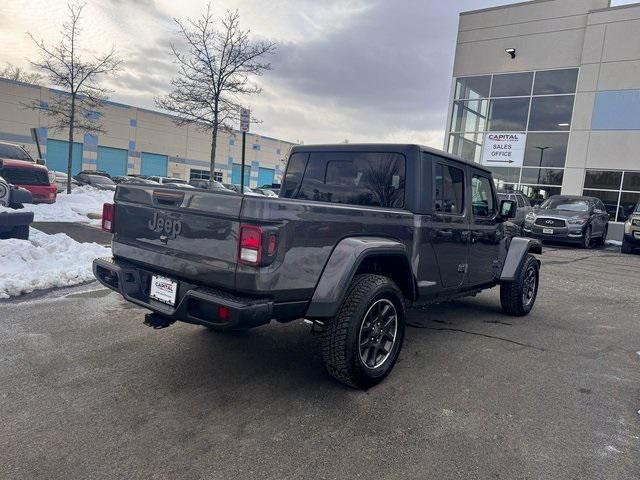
133 179
358 234
266 192
14 223
61 181
631 239
247 191
163 180
18 168
524 205
572 219
207 184
101 182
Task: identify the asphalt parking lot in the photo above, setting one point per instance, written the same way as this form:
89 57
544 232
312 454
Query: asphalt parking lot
87 391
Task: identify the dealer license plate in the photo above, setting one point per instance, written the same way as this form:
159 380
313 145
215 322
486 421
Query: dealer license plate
547 231
163 290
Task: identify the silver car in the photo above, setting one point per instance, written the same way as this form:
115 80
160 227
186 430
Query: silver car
524 205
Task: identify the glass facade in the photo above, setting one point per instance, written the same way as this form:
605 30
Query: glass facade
619 191
539 104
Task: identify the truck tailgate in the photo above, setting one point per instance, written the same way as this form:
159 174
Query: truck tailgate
191 234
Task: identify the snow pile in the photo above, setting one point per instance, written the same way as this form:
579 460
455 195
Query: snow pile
615 243
72 207
45 261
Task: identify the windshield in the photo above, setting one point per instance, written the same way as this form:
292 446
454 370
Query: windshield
100 180
14 152
637 210
568 204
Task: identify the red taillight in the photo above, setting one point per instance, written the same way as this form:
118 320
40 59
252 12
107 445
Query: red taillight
108 217
224 313
250 245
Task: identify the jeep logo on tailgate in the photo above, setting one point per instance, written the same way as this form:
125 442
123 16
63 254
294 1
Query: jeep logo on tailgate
171 228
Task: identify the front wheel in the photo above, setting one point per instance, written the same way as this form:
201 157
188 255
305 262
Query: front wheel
586 239
361 344
518 297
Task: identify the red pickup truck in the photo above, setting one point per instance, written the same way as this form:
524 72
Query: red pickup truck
20 169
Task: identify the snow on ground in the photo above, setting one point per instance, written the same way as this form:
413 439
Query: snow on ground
72 207
615 243
45 261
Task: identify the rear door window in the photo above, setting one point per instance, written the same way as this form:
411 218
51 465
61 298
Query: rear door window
449 190
355 178
520 201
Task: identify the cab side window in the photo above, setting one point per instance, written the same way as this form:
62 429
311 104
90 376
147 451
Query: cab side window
483 203
520 201
449 190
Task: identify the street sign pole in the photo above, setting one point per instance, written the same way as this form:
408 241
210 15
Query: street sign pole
245 116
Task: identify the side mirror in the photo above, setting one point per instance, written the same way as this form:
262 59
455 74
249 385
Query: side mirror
597 211
40 161
508 209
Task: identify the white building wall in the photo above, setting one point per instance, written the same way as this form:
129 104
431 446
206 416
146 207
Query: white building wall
139 130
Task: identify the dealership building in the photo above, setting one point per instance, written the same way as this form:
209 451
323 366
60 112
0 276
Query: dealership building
137 141
546 94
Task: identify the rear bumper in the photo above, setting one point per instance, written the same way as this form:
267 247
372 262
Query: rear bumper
194 304
10 220
42 193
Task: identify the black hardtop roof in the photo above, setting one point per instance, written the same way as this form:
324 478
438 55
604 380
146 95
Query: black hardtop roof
382 147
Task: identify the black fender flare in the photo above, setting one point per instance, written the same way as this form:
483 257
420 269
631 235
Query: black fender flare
342 266
519 248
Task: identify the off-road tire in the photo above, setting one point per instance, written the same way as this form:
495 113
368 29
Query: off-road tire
512 294
626 248
340 338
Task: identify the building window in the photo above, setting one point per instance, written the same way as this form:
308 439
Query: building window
508 114
466 145
617 111
619 191
469 116
551 113
542 176
199 174
546 150
512 85
555 82
473 87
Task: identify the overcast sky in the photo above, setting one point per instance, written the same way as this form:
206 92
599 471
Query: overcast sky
362 70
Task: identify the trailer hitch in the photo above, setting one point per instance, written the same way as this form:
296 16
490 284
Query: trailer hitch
157 321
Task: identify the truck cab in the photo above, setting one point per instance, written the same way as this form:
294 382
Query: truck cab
356 228
20 169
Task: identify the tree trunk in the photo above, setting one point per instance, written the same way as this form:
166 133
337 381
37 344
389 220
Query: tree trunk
70 153
214 143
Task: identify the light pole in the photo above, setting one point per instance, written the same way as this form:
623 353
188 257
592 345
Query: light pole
542 149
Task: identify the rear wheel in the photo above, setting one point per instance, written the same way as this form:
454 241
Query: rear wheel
361 344
518 297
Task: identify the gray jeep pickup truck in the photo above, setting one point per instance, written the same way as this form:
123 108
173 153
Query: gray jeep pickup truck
357 235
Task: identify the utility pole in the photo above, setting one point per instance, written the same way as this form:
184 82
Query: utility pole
245 116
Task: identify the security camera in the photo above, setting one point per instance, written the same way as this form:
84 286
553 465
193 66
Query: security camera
511 51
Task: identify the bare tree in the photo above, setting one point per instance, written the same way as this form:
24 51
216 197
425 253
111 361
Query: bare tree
214 73
19 74
63 65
